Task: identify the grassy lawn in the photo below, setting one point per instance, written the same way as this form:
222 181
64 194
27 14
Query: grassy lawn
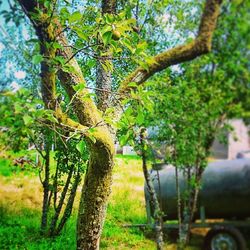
20 205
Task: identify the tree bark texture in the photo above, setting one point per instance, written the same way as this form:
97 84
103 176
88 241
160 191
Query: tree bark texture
92 209
157 213
69 206
58 208
103 84
186 52
104 76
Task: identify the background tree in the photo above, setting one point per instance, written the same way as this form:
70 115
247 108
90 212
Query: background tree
190 107
24 122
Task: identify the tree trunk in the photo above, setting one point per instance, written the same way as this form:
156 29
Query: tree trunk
95 192
69 206
98 179
180 245
97 184
103 84
61 202
157 213
45 184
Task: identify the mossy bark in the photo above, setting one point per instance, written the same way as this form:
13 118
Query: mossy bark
95 192
186 52
98 179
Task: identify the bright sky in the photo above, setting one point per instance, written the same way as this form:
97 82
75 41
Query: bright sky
15 87
20 74
3 6
1 48
9 66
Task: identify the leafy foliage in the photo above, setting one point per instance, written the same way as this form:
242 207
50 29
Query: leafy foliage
119 43
19 111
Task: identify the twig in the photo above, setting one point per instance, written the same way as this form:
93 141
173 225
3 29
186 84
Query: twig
27 14
64 29
146 16
52 13
80 50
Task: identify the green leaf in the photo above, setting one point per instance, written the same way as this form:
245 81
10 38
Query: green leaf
18 108
27 119
91 63
51 118
76 16
128 44
81 34
68 68
133 84
107 37
79 86
109 18
81 146
57 45
140 118
123 139
47 4
92 138
36 59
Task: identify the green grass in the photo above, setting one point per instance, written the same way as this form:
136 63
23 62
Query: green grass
20 206
20 211
7 168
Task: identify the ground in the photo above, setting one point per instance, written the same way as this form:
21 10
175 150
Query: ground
20 206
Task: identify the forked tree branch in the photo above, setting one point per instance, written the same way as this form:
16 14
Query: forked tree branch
85 108
186 52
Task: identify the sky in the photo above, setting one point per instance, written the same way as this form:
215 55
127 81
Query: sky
3 6
19 75
10 70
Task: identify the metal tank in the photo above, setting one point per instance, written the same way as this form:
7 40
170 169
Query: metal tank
225 189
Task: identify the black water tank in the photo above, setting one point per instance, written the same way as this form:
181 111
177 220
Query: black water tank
225 189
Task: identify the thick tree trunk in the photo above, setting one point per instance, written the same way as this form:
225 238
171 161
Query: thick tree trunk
98 179
95 192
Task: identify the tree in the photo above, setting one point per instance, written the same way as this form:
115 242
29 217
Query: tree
106 29
25 122
190 107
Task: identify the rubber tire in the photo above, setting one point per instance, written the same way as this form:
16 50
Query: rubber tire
234 232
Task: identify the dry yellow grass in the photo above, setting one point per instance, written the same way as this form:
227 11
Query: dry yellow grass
126 206
20 191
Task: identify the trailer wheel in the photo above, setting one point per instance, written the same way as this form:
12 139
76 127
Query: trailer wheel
224 238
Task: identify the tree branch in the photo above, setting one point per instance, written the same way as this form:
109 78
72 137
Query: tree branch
186 52
104 76
85 108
